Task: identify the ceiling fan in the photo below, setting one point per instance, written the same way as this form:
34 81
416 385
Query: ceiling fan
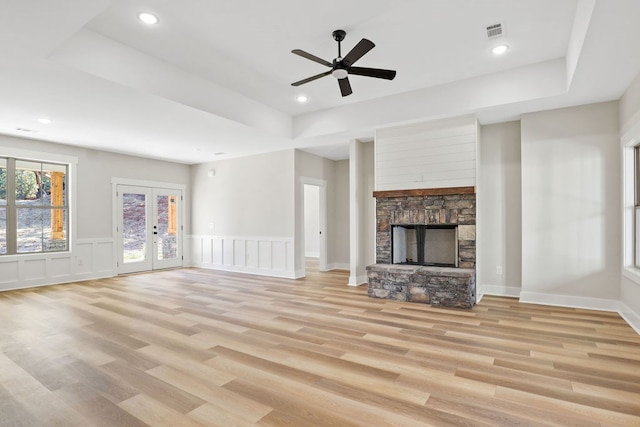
342 67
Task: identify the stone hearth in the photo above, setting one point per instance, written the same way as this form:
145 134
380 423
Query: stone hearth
438 286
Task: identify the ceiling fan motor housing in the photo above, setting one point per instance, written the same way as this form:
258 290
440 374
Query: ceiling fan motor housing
339 69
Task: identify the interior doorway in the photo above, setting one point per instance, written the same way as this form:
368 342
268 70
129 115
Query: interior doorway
148 228
314 218
312 221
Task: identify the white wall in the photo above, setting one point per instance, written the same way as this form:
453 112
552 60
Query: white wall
436 154
500 210
311 221
630 109
571 246
92 246
247 196
338 256
243 215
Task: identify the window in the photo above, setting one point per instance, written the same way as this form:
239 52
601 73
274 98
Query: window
3 206
636 207
34 209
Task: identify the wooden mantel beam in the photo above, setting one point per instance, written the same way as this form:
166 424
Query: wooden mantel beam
425 192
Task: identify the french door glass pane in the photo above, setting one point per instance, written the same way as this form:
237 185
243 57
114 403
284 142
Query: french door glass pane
637 236
3 182
3 230
3 204
167 245
134 227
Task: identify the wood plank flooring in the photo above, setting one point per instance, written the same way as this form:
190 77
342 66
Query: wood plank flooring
195 347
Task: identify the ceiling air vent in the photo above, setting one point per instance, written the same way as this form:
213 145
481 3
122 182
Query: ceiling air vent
494 31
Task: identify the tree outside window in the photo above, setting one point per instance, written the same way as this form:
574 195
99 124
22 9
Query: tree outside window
33 206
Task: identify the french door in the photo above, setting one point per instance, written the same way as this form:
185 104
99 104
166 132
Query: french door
149 229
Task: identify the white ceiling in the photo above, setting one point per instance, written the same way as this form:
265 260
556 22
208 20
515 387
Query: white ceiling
215 76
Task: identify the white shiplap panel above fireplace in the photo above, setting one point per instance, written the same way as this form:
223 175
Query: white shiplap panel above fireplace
436 154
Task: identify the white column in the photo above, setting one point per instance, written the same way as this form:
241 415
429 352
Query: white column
357 240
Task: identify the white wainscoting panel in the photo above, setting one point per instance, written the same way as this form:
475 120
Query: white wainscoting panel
101 257
8 273
228 252
435 154
60 268
239 252
266 256
34 269
89 259
251 254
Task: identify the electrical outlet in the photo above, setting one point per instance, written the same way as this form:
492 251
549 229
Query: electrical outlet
499 270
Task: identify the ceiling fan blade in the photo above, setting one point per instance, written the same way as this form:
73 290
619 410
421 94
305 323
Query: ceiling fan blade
358 52
314 58
312 78
345 86
378 73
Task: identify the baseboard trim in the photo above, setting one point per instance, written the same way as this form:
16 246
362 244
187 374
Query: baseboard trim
497 290
65 280
338 266
244 270
631 317
588 303
358 280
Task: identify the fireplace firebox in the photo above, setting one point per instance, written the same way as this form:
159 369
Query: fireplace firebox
430 245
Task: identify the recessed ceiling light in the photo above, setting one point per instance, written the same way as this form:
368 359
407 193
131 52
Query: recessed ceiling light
500 49
44 120
302 99
148 18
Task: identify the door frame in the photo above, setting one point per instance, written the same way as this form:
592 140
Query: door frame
141 183
322 184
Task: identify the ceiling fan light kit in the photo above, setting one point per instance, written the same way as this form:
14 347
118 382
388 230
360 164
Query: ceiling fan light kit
341 67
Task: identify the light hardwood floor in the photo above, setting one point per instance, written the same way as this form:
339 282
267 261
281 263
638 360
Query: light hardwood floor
197 347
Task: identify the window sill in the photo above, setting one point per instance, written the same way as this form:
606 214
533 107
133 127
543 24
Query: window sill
38 255
632 273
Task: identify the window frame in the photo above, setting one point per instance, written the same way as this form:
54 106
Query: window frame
630 162
43 158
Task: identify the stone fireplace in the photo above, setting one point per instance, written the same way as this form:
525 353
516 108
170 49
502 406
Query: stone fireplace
425 246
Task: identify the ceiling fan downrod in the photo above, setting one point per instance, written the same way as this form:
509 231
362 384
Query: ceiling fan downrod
339 35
